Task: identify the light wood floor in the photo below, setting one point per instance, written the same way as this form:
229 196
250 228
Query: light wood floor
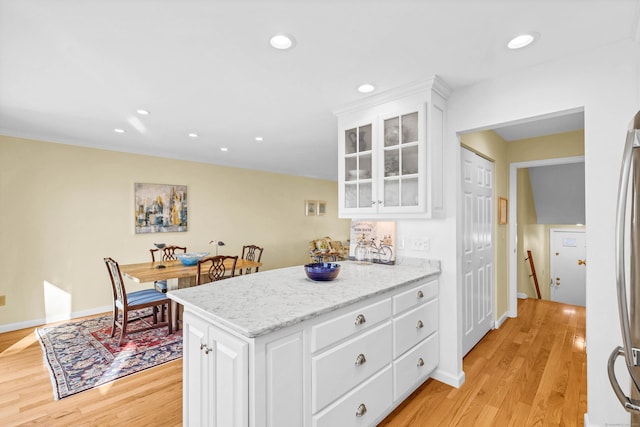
531 371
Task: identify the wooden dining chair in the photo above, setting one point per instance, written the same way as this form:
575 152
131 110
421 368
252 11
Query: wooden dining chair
168 254
124 303
251 253
211 269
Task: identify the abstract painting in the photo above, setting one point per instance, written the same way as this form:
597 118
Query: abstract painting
160 208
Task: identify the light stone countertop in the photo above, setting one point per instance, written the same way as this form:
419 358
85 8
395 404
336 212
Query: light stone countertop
259 303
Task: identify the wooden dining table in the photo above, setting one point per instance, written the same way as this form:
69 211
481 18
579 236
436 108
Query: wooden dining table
174 272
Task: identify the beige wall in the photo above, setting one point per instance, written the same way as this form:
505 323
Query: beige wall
490 145
64 208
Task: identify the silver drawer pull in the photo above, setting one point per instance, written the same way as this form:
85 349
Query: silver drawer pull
420 362
360 360
361 410
420 294
360 319
205 348
420 325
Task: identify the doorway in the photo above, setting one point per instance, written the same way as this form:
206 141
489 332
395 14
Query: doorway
515 257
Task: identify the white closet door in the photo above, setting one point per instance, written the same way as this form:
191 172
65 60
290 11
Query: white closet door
477 258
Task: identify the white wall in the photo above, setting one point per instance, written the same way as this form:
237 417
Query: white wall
607 84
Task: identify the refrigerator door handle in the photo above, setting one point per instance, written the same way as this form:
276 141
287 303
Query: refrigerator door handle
629 405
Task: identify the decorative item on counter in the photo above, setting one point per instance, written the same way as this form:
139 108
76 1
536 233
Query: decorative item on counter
216 243
322 271
373 241
363 253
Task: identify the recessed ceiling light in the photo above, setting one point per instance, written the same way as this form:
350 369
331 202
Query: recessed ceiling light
366 88
224 149
118 130
259 138
193 135
282 41
142 112
521 41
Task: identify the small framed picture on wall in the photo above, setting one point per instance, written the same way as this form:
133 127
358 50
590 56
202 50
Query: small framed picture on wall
311 207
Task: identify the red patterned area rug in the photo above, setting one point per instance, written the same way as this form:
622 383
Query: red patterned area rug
82 355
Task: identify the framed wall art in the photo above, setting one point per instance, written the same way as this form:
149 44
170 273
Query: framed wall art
503 212
322 207
310 207
160 208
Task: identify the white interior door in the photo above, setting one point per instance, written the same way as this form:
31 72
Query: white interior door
568 253
477 258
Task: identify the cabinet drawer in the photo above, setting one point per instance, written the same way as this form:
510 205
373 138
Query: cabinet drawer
343 326
361 407
416 365
414 326
415 296
339 369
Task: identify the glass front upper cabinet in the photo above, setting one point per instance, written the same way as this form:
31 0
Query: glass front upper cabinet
358 167
401 156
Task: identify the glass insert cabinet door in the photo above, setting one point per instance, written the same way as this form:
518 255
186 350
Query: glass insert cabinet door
401 156
358 167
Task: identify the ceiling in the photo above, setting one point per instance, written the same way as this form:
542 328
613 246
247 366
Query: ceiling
72 71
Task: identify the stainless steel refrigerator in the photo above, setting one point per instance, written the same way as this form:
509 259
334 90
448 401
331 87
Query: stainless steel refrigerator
627 237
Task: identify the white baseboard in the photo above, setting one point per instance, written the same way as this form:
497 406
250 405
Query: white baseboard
501 320
522 295
42 321
449 379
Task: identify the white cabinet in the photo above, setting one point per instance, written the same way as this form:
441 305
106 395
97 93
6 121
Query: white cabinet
348 367
215 386
390 154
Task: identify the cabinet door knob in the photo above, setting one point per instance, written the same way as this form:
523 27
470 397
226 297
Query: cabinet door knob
420 362
360 319
360 360
420 325
361 410
205 348
420 294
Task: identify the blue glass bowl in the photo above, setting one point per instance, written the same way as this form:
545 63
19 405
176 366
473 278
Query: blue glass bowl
322 271
191 258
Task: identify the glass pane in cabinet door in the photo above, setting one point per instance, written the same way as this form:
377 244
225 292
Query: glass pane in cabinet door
391 132
391 163
364 171
350 141
410 195
364 195
365 138
350 196
391 193
410 128
410 160
350 168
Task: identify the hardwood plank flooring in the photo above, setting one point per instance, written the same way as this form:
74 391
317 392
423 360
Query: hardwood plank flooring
531 371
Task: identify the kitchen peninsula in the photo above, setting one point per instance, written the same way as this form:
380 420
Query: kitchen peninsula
277 349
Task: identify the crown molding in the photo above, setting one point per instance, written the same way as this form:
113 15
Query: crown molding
434 83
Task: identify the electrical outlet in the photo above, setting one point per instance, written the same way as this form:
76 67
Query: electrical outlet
3 300
419 244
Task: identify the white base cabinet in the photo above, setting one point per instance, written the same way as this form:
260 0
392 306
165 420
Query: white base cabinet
349 367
